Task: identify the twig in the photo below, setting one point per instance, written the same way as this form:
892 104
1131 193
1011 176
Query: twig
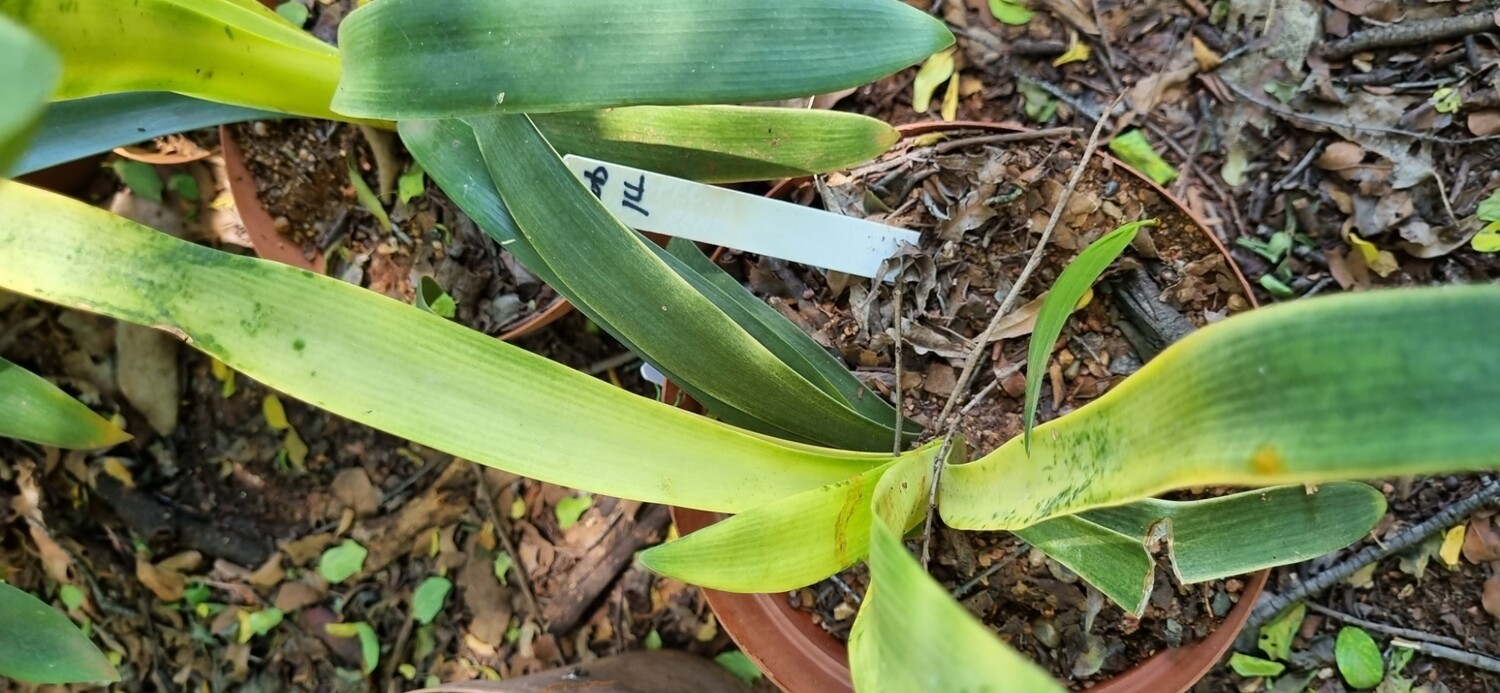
500 529
1272 604
896 357
950 145
1289 180
1336 125
1383 628
1473 659
1410 33
966 377
1443 193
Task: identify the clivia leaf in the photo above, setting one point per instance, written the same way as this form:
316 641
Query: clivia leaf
35 410
31 69
517 56
1255 401
40 645
241 53
1076 280
366 196
441 385
1136 152
1358 658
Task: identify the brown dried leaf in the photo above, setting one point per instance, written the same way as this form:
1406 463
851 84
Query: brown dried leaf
1491 598
304 550
1078 13
146 372
352 487
296 595
1481 542
487 600
1340 156
1485 123
166 584
270 573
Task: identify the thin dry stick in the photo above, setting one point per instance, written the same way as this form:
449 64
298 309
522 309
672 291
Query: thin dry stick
1410 33
1383 628
500 529
896 359
1443 193
960 143
966 376
1272 604
1473 659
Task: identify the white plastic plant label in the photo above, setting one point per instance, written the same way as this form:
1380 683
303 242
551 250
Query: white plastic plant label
649 201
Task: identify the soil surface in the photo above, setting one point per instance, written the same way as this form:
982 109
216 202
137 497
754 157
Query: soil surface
981 210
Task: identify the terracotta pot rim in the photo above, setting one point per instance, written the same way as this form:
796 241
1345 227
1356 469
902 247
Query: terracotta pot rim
800 657
269 245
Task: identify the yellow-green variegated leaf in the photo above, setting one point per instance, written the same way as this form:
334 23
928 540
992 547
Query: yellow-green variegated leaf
395 367
35 410
598 262
28 71
779 547
1241 533
408 59
720 144
232 51
1206 539
1380 383
910 634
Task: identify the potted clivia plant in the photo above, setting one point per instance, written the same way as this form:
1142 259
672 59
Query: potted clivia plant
1307 393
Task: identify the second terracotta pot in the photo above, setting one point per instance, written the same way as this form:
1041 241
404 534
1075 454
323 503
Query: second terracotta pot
800 657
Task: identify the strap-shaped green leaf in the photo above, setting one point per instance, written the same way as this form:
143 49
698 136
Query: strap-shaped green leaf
83 127
1072 283
395 367
1115 563
409 59
720 144
615 271
40 645
30 70
1241 533
230 51
1354 386
33 409
910 635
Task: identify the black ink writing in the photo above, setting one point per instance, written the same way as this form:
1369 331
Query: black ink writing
597 178
634 194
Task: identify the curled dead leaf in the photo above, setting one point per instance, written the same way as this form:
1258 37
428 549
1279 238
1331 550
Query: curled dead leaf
165 583
1340 156
1481 542
1485 123
352 487
1491 597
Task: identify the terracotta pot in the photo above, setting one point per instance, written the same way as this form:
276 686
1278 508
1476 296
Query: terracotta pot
650 671
71 178
800 657
270 245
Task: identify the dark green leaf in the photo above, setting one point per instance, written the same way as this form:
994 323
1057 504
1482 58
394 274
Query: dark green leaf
184 184
431 297
1117 564
84 127
1358 658
1075 280
31 70
40 645
519 56
141 178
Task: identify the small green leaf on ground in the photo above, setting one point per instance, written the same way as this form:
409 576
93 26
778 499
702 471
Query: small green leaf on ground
1489 209
1283 91
257 623
274 412
141 178
184 184
1133 149
503 563
427 601
369 644
653 640
411 184
934 72
1277 634
1446 100
71 597
407 672
432 298
1358 658
1039 106
342 562
1488 239
739 665
1011 12
517 509
1453 544
571 508
196 593
293 11
1248 666
366 196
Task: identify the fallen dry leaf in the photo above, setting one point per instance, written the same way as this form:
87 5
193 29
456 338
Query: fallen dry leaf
1206 58
1340 156
1491 597
292 596
352 487
1453 542
1481 543
1485 123
487 601
166 584
304 550
270 573
146 372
